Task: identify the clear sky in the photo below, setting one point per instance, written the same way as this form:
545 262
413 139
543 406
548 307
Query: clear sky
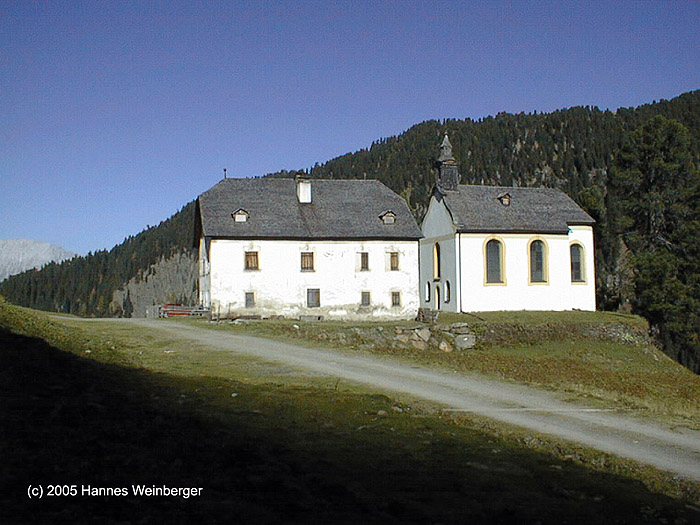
115 114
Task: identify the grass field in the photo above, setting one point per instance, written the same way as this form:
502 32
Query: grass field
108 405
601 358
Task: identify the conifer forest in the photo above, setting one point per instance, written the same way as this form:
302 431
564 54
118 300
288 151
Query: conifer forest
634 170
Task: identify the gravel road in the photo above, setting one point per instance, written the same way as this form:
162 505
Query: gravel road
674 450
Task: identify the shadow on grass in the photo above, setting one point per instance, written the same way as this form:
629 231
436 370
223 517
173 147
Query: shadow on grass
273 456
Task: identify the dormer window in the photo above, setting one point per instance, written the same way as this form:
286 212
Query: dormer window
240 215
504 199
388 217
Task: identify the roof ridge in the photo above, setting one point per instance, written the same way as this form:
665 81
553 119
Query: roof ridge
510 187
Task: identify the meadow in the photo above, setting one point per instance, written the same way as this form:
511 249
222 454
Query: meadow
107 404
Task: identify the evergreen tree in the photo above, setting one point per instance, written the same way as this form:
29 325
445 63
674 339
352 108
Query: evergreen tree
572 149
657 187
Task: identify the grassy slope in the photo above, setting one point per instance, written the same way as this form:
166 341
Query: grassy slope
601 358
281 449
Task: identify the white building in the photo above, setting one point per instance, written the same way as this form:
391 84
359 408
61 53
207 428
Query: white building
343 249
491 248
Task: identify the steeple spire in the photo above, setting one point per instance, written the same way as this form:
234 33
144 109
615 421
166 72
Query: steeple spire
449 177
445 149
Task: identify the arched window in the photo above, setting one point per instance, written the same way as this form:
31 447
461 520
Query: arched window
446 292
427 292
436 261
494 262
577 268
437 297
538 262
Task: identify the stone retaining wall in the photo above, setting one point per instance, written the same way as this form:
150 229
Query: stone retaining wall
464 336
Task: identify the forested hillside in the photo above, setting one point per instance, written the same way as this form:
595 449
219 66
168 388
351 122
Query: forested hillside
572 149
86 285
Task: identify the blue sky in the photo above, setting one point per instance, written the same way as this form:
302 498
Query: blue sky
113 115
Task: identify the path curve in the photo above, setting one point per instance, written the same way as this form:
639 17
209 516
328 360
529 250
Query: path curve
676 451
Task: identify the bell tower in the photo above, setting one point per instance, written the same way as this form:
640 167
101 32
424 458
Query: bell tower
449 177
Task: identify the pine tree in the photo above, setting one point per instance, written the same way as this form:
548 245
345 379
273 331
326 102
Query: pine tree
658 190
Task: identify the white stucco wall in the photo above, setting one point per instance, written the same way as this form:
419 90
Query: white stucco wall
517 293
280 287
470 293
438 229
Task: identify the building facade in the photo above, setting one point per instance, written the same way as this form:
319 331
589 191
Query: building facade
488 248
345 249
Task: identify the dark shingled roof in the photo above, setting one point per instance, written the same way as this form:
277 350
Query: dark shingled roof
477 209
340 209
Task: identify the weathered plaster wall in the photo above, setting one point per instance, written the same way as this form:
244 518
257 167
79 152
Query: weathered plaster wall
280 286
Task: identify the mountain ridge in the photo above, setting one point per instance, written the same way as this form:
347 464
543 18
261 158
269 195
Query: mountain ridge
19 255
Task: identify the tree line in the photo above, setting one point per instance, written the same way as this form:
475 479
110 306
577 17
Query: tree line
584 151
85 285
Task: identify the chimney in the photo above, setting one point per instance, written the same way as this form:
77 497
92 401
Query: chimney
304 190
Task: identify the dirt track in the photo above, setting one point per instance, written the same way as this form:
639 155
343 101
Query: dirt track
676 451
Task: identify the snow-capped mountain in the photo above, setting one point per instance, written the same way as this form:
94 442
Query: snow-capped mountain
18 255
